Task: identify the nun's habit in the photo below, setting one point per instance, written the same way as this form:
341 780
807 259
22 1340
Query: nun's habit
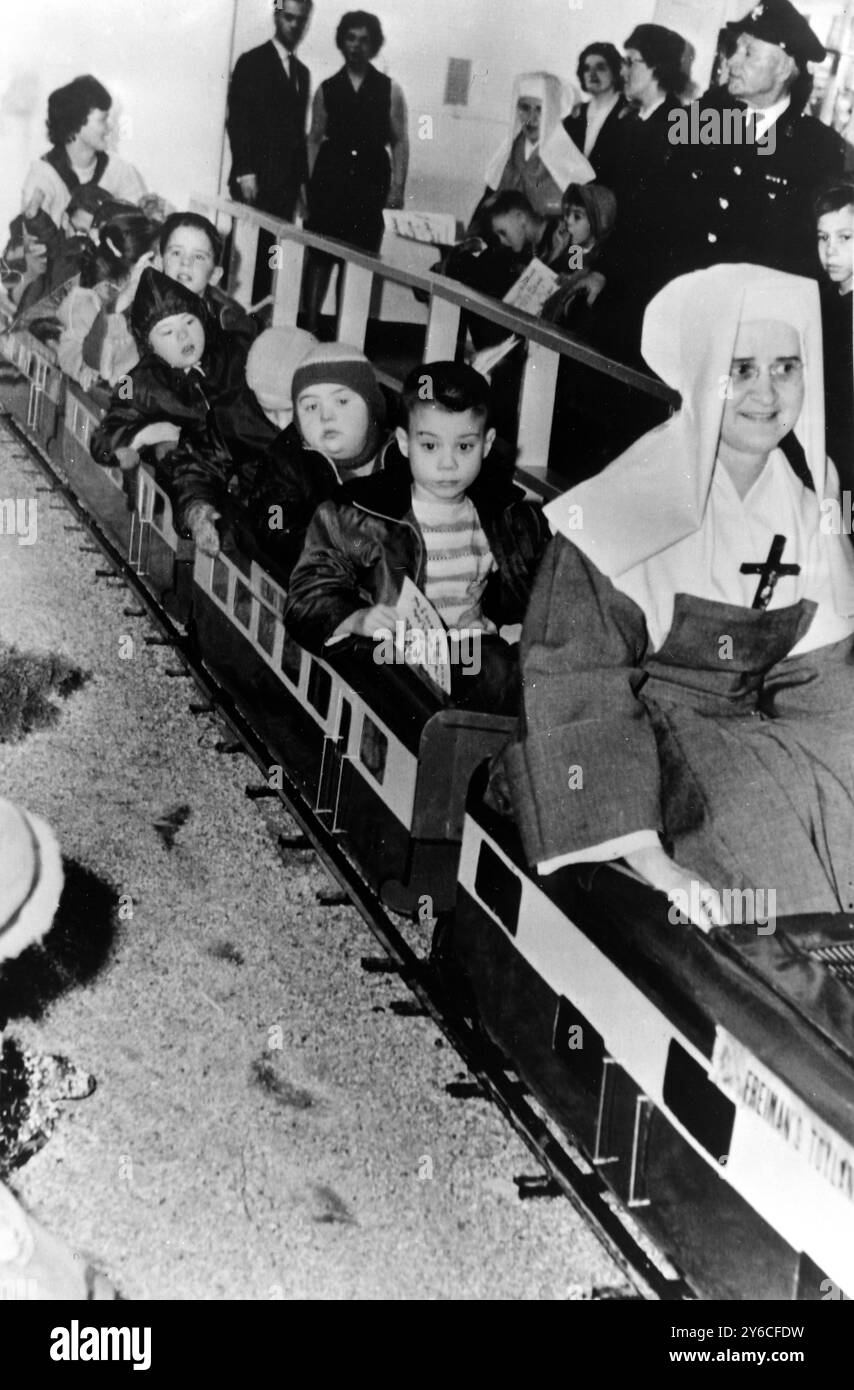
543 170
657 700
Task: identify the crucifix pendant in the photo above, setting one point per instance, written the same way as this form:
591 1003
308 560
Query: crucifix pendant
769 572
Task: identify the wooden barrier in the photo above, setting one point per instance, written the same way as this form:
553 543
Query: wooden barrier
447 299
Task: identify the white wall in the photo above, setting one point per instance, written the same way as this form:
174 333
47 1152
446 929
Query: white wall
500 37
165 62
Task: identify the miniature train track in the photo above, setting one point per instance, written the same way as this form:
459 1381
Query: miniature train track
563 1174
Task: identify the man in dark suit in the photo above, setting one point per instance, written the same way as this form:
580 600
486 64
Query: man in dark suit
267 106
752 200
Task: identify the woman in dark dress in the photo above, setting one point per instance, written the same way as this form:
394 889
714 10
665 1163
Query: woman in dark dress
357 117
595 126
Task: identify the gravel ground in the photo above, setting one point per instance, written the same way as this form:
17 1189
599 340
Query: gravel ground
263 1126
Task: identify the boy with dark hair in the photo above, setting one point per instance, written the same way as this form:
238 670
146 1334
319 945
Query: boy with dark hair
77 117
467 539
191 253
516 226
834 210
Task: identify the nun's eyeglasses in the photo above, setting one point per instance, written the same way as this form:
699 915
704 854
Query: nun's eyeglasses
787 369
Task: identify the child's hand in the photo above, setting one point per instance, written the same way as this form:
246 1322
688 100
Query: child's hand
126 458
592 285
201 520
35 255
160 433
367 622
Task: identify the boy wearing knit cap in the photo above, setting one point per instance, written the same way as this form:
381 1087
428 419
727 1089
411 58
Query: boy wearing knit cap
462 533
173 385
338 433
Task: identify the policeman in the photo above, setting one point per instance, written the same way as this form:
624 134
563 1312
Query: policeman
752 200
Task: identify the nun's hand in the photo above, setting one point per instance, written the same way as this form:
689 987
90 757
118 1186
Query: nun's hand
694 900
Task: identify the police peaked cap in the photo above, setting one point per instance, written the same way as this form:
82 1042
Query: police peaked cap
778 22
157 297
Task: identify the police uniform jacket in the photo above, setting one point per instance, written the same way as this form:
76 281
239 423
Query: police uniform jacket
734 203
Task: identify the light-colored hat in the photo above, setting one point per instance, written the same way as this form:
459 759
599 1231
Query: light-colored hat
273 358
31 879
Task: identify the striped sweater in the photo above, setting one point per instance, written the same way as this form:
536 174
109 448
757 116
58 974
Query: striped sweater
459 559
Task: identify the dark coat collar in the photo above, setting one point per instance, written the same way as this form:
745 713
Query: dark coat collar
389 493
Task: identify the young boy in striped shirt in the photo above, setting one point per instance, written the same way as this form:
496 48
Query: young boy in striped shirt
447 516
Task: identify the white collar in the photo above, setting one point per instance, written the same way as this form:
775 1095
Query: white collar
651 110
285 54
767 115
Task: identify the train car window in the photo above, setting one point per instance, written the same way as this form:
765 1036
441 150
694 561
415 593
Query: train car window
271 595
242 604
498 887
704 1110
266 629
241 562
219 581
345 718
291 660
158 511
373 749
319 689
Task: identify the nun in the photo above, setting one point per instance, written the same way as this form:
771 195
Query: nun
537 157
687 655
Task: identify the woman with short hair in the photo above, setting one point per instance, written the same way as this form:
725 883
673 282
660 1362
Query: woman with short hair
358 116
77 119
594 125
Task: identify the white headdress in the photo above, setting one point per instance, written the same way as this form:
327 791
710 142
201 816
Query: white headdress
561 156
655 494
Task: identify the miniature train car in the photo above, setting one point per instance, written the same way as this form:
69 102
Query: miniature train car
709 1079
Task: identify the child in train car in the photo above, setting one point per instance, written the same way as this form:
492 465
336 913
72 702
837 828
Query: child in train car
250 419
191 252
338 433
172 387
589 214
458 528
42 264
96 345
834 210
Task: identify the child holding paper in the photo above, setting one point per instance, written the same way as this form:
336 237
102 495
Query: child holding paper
464 535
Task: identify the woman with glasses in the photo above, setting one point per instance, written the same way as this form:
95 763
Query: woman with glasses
688 644
643 247
594 126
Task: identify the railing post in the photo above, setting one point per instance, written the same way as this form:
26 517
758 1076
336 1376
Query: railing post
443 330
355 299
537 407
287 283
244 253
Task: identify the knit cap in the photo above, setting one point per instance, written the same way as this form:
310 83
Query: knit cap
157 297
273 359
341 365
